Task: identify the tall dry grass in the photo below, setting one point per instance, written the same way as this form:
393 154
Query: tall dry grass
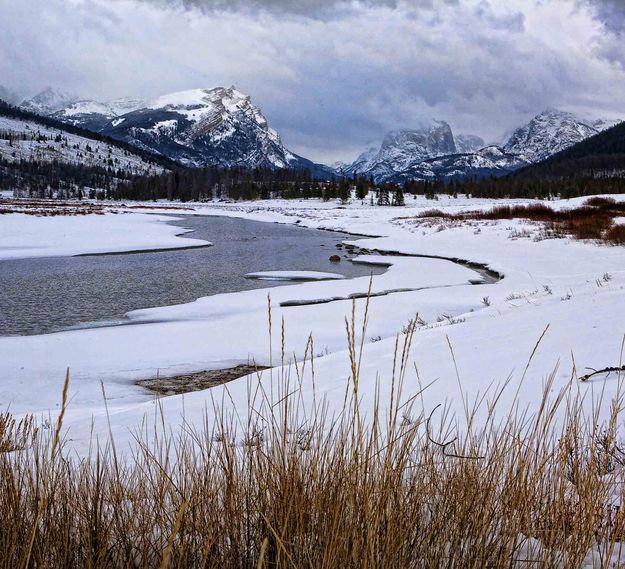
292 485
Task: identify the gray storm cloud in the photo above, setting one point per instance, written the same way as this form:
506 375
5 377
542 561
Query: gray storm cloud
610 12
307 7
331 76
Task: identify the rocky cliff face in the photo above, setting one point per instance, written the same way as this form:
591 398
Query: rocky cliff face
547 134
402 150
204 127
435 153
201 127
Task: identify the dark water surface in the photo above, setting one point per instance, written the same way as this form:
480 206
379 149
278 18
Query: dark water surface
45 295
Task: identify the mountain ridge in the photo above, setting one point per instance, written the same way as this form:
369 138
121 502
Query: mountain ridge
196 128
545 135
223 127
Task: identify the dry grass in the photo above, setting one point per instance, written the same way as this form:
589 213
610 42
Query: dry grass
593 220
54 207
49 208
293 486
14 434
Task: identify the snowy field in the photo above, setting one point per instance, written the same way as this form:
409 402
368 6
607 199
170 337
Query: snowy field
569 293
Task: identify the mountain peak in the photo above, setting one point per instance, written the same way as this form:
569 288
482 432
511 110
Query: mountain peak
200 97
548 133
204 127
402 149
49 101
466 143
555 112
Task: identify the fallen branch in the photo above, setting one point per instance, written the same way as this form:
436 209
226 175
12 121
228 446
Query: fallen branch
444 445
594 372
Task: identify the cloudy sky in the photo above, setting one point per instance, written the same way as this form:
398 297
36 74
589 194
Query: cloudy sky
332 76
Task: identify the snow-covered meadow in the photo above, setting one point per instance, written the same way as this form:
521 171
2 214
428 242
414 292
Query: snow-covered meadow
568 294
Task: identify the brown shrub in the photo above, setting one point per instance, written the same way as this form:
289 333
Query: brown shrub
616 235
599 201
593 220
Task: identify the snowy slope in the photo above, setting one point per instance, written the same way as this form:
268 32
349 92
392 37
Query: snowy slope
604 124
28 140
488 161
94 115
466 143
113 108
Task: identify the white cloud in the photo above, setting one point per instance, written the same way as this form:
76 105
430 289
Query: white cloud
331 81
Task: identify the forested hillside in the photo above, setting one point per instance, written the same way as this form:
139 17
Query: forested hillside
599 156
40 157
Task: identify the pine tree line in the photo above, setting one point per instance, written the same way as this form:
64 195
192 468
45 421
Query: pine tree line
45 179
522 186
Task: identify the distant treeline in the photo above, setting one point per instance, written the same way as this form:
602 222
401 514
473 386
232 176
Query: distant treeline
522 186
63 180
241 184
265 183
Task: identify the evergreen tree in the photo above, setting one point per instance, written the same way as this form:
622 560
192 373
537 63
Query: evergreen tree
344 192
383 195
398 197
361 188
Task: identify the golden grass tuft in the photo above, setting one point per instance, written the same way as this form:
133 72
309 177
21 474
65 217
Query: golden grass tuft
292 486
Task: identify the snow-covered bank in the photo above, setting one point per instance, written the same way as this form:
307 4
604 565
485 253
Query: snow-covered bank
26 236
576 289
217 332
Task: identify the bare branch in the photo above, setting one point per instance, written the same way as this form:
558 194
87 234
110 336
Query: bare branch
594 372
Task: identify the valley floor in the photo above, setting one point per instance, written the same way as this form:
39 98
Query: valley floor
559 310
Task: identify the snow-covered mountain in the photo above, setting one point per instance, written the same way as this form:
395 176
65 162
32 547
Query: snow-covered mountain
547 134
222 126
24 140
94 115
200 127
488 161
402 150
468 143
204 127
400 158
48 102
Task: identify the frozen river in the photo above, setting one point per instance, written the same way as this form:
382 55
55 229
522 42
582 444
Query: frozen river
49 294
